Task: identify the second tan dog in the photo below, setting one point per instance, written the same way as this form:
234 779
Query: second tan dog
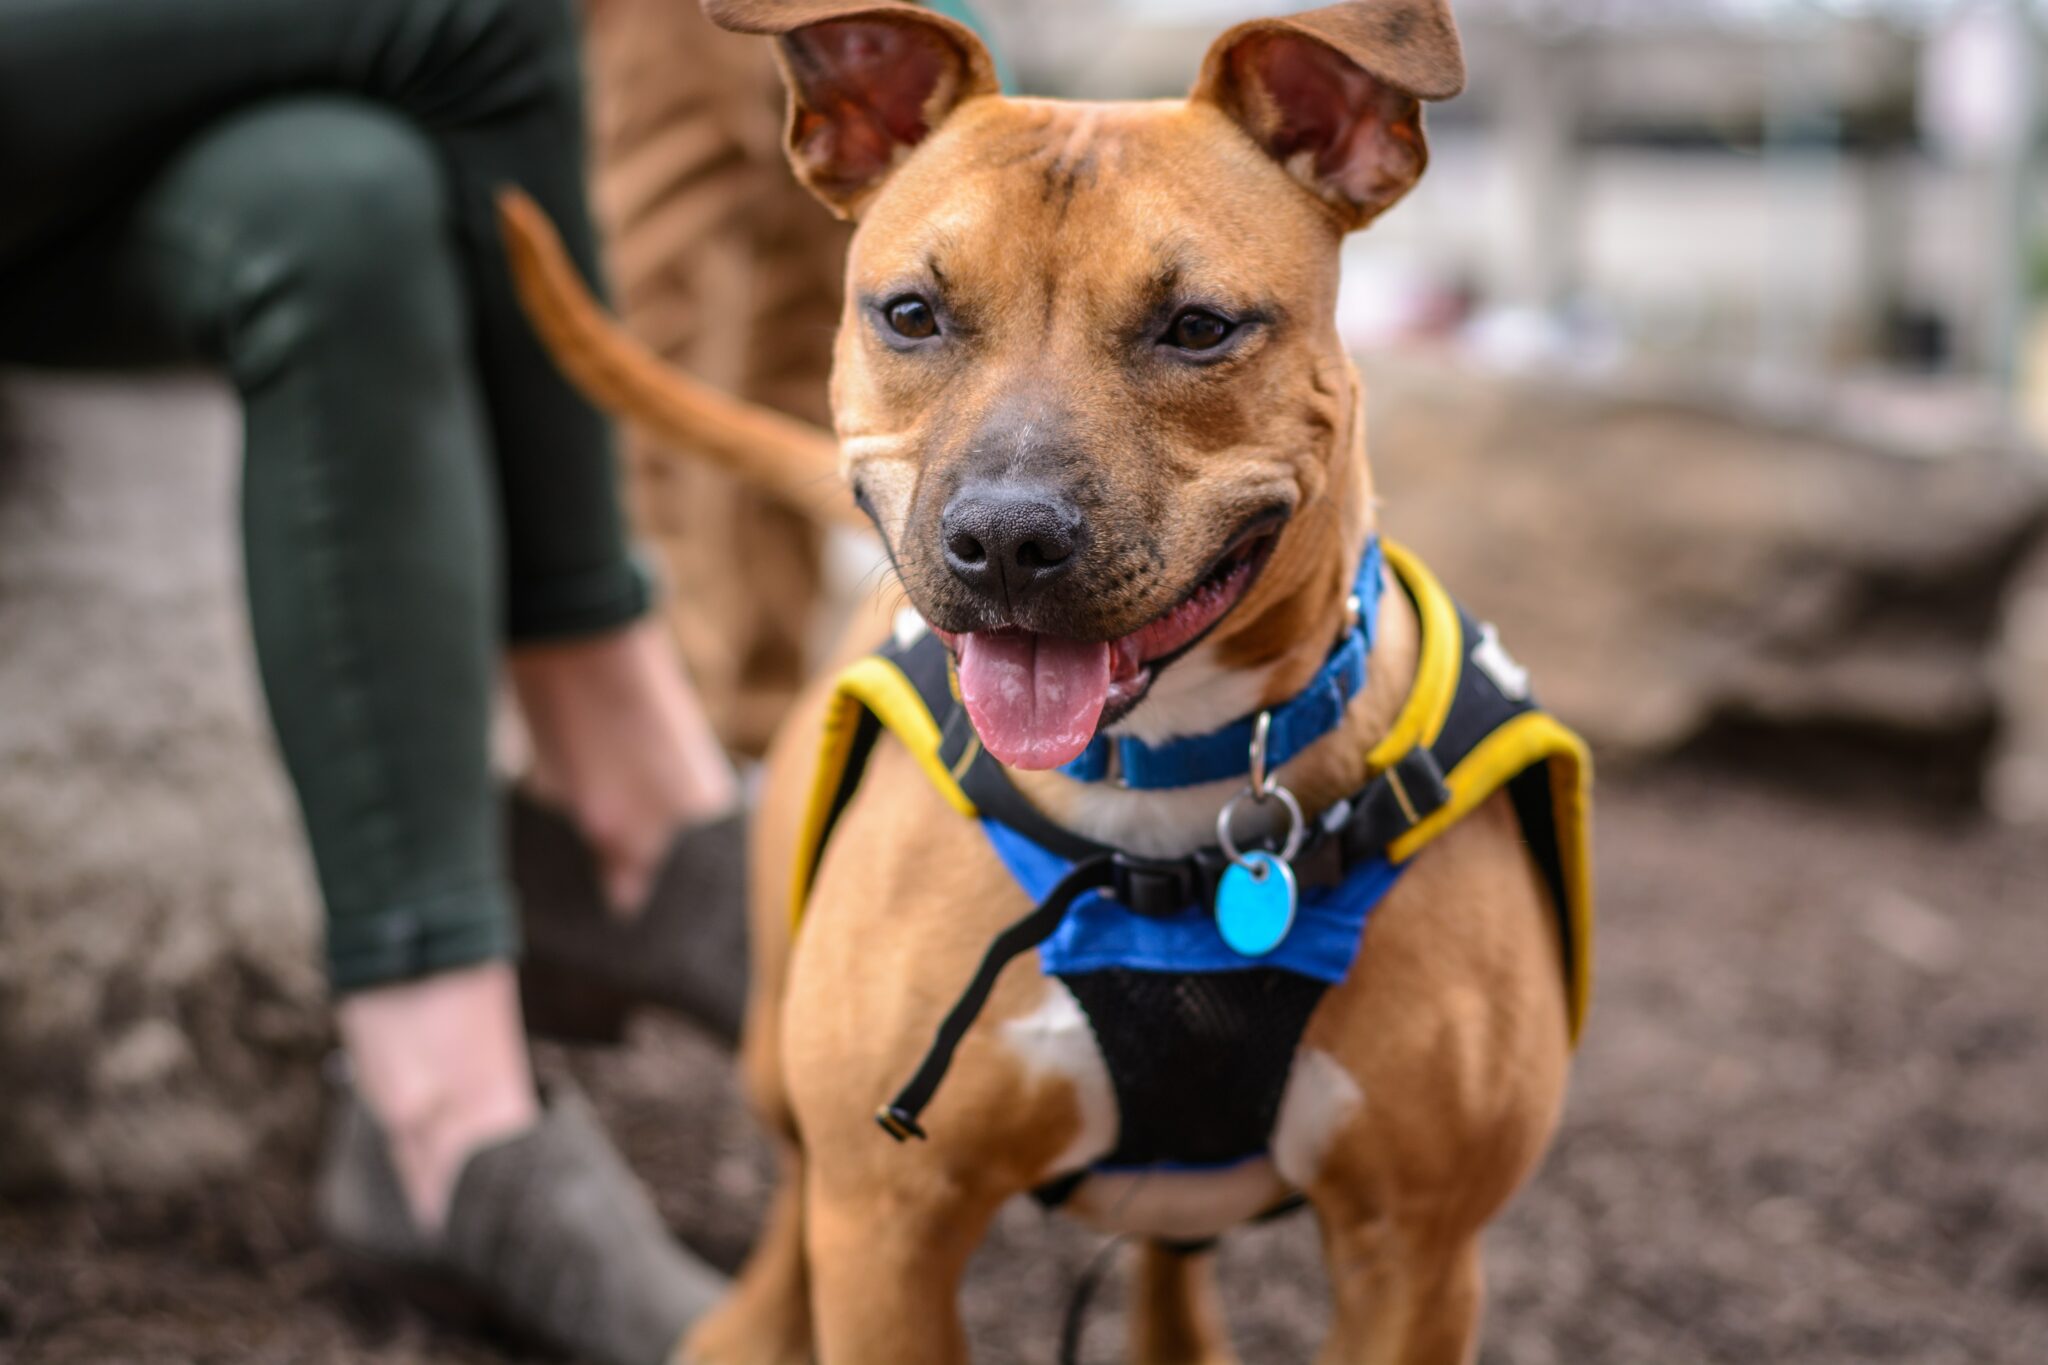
1089 390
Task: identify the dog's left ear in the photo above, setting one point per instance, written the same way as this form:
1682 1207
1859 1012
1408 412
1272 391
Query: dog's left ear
1334 95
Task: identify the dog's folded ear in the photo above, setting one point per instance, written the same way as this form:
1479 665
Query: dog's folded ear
867 83
1334 95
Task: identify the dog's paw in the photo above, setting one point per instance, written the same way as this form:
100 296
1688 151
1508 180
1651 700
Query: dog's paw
726 1339
688 1354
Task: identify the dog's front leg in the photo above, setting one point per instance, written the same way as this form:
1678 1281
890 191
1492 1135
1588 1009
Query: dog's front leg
1176 1318
766 1320
1402 1296
886 1260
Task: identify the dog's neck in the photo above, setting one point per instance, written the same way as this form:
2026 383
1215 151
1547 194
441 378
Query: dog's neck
1297 615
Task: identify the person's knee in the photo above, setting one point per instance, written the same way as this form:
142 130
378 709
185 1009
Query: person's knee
332 217
543 34
367 200
500 57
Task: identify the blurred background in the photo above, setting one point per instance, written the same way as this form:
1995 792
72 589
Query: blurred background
1751 197
1710 360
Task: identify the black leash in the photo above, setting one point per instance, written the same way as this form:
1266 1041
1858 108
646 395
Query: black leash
1091 1279
899 1117
1097 1270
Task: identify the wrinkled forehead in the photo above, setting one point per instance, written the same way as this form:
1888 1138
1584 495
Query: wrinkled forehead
1009 194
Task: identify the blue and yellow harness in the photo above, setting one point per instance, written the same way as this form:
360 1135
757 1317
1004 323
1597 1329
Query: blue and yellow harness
1198 1036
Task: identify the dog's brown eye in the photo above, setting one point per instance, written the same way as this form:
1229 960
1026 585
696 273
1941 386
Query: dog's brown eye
1198 329
912 317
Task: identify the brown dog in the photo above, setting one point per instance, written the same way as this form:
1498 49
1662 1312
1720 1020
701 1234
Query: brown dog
1089 389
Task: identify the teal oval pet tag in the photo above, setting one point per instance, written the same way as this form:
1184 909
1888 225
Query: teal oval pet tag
1255 902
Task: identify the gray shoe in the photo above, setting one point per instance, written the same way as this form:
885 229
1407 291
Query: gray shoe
549 1234
585 969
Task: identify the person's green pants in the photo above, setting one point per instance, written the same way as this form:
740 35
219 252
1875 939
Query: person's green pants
299 192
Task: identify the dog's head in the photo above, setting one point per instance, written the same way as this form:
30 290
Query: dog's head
1088 382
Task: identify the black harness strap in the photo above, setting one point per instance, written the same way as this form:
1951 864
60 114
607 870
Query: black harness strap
994 795
866 732
1347 835
899 1117
1293 1203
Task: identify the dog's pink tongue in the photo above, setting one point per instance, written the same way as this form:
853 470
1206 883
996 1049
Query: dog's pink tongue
1034 699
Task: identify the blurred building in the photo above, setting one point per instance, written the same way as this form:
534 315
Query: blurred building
1776 193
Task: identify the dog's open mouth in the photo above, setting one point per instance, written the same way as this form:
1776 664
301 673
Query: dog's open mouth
1037 700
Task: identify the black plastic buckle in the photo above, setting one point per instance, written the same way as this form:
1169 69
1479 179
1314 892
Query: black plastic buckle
1321 860
898 1124
1153 887
1419 779
1398 800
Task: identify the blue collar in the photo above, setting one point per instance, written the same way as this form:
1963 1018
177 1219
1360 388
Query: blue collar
1226 753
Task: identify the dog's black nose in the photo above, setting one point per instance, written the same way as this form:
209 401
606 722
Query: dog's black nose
1008 540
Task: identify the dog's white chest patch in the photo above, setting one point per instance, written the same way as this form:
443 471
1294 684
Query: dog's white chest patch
1182 1206
1321 1097
1056 1038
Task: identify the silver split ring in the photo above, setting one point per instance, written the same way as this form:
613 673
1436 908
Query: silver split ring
1297 826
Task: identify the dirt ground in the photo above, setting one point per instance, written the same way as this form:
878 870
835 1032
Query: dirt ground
1808 1125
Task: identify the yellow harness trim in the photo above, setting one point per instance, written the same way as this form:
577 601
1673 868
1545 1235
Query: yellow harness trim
876 685
1421 718
1507 753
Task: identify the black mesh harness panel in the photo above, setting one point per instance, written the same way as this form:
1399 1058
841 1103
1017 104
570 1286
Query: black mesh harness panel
1200 1061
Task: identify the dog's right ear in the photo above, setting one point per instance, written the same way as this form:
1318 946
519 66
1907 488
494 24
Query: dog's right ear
867 83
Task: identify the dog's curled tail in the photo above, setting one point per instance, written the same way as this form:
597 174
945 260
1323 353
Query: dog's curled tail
621 375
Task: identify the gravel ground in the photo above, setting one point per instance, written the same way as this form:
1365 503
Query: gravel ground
1807 1126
